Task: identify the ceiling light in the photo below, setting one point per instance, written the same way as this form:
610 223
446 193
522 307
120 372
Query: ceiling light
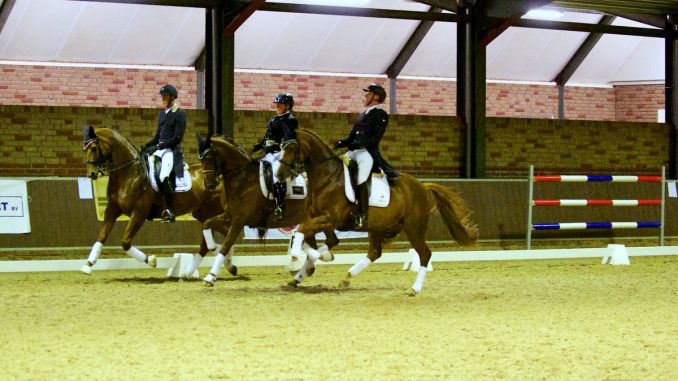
543 14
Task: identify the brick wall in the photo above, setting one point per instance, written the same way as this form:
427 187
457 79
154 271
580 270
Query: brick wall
639 103
135 88
46 141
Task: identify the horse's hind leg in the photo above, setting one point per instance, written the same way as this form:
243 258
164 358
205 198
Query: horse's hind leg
373 253
416 238
110 215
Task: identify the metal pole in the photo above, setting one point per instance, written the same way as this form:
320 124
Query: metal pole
530 203
663 206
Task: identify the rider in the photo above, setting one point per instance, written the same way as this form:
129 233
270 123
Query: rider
363 146
279 131
166 146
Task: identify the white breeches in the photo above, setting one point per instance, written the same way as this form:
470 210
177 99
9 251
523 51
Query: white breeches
365 162
274 159
167 162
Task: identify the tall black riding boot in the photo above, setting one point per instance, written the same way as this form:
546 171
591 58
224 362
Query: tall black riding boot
168 192
279 191
363 204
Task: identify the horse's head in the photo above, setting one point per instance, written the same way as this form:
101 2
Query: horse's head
290 159
95 156
211 163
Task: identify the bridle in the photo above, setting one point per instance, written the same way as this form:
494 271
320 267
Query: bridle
103 163
209 156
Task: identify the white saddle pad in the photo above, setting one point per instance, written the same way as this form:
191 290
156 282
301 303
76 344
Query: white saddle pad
380 193
296 189
184 184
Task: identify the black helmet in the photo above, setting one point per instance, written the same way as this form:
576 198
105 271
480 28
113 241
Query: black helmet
169 90
285 98
378 90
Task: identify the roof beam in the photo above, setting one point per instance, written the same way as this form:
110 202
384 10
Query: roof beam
653 20
507 13
410 46
573 64
5 10
359 12
242 16
591 28
169 3
442 4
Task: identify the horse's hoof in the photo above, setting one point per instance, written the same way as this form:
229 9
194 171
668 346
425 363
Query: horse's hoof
152 261
412 292
310 271
188 277
233 270
294 266
293 283
210 280
86 269
345 283
326 256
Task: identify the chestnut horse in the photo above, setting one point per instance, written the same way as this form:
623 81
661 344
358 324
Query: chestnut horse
409 210
129 192
245 204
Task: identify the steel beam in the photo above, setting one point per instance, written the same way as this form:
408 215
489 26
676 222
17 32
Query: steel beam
5 10
671 92
410 46
359 12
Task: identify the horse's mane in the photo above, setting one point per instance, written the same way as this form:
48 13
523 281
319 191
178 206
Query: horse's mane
229 142
116 135
326 150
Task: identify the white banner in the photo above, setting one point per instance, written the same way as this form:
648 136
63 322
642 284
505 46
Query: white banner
14 218
286 233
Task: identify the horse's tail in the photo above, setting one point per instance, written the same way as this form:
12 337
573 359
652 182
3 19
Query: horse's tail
456 215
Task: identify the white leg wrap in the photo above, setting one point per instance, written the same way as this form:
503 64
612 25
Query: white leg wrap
95 253
218 263
197 259
136 254
209 239
312 253
295 246
360 266
419 282
229 258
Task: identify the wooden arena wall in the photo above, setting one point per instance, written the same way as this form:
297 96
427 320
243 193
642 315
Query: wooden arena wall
63 223
46 141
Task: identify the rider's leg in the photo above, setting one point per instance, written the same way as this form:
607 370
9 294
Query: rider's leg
166 185
168 192
365 162
279 191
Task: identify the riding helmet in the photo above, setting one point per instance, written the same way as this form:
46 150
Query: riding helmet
376 89
284 98
169 90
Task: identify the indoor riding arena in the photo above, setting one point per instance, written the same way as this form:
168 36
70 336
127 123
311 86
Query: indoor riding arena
550 124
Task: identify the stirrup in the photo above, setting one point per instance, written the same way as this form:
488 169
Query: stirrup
167 216
278 213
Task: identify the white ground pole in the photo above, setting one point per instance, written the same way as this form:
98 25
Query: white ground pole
344 259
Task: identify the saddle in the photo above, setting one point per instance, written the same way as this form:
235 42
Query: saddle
181 184
296 188
380 191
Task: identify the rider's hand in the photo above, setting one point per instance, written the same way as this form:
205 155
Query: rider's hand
257 147
338 144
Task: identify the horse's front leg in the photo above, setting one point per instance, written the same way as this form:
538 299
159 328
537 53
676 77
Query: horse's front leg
218 223
373 253
132 228
298 247
226 247
111 214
